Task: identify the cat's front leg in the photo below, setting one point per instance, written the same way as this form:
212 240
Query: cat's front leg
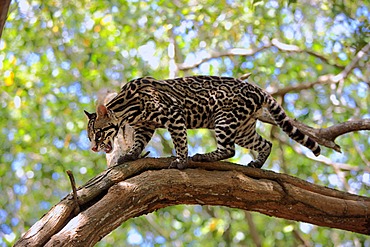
142 135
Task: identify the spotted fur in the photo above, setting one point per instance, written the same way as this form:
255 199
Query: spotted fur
229 106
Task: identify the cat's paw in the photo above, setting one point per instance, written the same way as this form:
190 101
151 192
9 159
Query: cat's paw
255 164
200 158
179 163
126 158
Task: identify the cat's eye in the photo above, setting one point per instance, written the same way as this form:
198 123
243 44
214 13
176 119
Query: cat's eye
98 135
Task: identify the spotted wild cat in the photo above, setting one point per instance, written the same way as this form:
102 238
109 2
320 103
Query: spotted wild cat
229 106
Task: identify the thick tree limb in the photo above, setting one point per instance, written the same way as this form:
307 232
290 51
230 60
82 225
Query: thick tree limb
130 190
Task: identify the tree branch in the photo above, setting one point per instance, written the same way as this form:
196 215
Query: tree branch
293 48
227 53
327 136
143 186
324 136
251 52
336 130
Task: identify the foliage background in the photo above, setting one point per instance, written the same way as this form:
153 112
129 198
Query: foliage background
55 55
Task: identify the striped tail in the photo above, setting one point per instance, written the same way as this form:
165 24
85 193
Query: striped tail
280 117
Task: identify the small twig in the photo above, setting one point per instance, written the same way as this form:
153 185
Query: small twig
73 184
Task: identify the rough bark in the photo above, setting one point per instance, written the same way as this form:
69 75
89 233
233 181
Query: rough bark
129 190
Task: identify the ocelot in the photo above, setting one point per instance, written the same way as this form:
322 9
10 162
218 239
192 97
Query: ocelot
229 106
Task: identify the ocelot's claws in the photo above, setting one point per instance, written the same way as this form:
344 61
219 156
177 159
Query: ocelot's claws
178 164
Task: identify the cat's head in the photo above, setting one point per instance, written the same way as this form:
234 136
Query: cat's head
102 128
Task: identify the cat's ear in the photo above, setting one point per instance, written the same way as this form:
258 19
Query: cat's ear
90 115
101 110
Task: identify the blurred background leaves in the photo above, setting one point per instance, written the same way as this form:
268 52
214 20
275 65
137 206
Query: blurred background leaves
55 55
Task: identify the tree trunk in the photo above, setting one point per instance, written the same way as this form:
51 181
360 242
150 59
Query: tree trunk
129 190
4 7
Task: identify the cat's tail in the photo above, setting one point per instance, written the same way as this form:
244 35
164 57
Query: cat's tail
280 117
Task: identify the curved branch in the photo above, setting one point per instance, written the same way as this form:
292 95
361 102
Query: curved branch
143 186
336 130
327 136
